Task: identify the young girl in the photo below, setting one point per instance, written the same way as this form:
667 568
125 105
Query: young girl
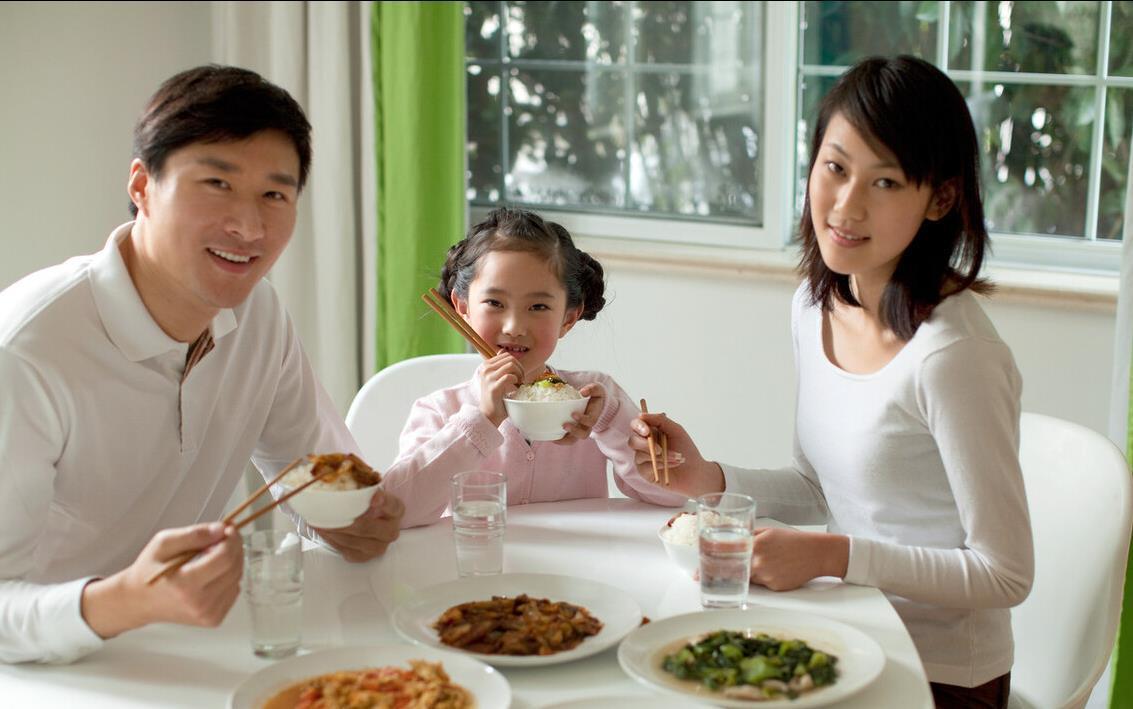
522 284
907 423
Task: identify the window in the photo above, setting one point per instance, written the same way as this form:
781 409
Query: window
690 121
1050 88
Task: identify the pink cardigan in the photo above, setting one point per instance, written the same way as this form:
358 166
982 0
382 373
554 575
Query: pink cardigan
446 434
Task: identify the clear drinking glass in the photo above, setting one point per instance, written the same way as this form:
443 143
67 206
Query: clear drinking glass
479 515
724 524
273 585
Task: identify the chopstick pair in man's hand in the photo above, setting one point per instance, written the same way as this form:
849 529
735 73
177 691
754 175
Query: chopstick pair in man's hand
653 450
230 519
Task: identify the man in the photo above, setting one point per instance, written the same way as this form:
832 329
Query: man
137 382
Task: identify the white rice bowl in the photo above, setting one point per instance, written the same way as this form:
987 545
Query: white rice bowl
680 540
327 504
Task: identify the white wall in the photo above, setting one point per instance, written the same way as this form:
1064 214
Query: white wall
73 79
713 351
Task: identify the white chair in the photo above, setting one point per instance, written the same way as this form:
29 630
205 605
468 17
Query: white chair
1081 502
379 409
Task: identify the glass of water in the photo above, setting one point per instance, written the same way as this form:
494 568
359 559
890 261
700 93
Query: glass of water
479 515
273 585
724 524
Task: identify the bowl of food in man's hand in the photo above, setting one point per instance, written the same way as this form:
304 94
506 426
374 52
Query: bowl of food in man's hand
343 489
540 409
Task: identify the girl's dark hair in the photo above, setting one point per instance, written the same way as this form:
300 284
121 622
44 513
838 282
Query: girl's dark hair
911 108
214 104
507 229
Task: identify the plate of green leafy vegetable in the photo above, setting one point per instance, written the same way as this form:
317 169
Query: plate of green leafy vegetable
764 656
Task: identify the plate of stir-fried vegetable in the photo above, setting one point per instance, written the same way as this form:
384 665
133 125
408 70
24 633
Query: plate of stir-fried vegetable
760 656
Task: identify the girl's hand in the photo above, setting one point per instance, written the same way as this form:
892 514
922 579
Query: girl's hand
689 472
584 421
499 376
784 559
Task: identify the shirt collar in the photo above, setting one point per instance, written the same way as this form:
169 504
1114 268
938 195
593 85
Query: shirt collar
125 317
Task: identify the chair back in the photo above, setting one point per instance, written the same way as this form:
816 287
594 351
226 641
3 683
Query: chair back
380 408
1081 503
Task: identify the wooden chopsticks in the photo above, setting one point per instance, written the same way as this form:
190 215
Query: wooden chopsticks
434 300
653 450
229 519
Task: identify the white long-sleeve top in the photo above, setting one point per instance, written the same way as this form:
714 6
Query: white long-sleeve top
918 464
103 445
446 433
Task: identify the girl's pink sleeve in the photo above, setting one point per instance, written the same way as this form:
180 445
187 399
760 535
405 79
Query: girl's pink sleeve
611 433
441 438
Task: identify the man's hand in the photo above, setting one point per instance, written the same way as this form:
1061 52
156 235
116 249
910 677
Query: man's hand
584 421
369 534
199 593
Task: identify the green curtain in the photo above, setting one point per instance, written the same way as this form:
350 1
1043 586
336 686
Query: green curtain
419 102
1121 688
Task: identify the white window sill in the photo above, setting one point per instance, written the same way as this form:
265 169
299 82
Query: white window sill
1048 288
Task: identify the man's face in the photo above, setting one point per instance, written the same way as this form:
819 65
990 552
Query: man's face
214 221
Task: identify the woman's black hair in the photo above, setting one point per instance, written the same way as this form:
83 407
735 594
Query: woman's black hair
214 104
507 229
913 110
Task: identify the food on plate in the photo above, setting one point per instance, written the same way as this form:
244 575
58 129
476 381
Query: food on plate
425 686
681 529
739 665
350 473
516 626
549 387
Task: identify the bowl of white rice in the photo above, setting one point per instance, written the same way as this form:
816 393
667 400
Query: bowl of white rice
334 501
540 409
679 537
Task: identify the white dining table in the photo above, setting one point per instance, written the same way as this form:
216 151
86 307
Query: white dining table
613 541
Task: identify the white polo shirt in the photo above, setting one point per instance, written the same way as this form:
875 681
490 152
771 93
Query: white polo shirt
103 445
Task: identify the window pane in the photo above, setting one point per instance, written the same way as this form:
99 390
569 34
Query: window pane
568 138
1115 162
1035 141
841 33
482 30
1121 39
721 34
485 175
577 31
811 91
696 150
1039 37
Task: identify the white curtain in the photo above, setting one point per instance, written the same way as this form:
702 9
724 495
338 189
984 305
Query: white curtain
319 52
1120 419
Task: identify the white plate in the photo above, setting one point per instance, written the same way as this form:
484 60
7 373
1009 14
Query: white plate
860 658
618 612
486 684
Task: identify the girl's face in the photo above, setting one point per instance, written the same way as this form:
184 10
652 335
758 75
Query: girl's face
864 209
517 303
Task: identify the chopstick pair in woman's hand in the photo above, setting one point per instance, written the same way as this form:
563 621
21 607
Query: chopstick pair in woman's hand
653 450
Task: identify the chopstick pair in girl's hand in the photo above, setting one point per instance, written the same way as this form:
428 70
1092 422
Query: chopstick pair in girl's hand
443 308
653 450
230 519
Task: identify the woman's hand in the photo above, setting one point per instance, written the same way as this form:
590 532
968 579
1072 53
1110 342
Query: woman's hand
584 421
690 473
499 376
784 559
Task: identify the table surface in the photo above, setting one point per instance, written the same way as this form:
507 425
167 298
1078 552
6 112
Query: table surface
613 541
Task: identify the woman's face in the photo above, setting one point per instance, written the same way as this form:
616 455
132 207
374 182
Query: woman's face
865 210
517 303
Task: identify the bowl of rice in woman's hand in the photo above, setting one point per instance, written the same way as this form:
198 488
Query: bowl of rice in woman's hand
680 539
338 498
540 409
